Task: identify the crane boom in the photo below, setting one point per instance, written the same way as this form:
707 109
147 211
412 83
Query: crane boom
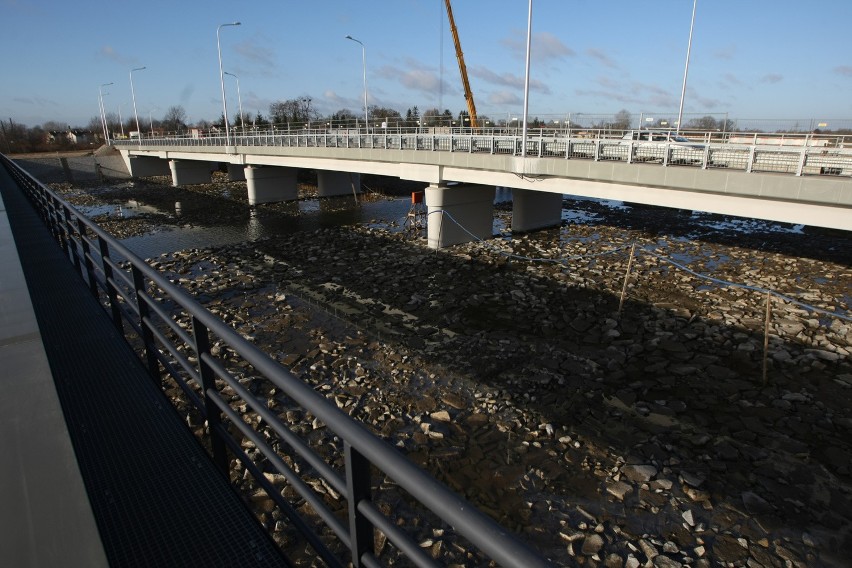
468 94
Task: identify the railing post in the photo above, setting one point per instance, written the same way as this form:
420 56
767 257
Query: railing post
87 258
751 153
147 335
358 489
72 242
111 293
208 385
803 158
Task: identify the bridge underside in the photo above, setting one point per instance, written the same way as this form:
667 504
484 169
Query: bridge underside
807 200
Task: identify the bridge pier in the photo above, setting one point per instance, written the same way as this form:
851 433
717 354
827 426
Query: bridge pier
533 210
270 184
331 183
146 166
189 172
468 213
236 172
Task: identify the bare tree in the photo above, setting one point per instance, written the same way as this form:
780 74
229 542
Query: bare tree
175 119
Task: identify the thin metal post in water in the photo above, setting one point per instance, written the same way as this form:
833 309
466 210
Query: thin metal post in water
766 338
626 278
358 489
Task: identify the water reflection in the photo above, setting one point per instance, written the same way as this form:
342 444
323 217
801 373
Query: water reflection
267 221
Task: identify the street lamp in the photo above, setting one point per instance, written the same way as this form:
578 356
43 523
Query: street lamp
222 81
103 112
120 123
686 68
526 84
364 61
133 96
239 100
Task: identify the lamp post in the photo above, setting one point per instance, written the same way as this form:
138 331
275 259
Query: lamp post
686 68
120 122
239 101
222 82
103 112
133 96
364 62
526 84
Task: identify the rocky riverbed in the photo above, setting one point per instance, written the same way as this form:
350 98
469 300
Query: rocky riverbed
659 434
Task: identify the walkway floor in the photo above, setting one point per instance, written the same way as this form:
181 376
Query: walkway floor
120 481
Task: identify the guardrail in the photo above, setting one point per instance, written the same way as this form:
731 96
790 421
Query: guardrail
808 156
178 336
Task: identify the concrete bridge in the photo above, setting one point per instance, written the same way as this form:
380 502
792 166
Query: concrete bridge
809 184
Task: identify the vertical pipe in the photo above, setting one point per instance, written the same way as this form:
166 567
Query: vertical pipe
358 489
626 278
208 385
766 338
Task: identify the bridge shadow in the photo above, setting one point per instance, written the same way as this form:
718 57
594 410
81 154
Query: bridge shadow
677 387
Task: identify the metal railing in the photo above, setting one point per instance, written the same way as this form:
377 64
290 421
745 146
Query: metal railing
178 337
788 154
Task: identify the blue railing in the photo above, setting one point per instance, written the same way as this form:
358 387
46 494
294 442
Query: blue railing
176 335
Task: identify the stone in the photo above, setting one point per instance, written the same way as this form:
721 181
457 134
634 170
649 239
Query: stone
619 489
592 544
639 473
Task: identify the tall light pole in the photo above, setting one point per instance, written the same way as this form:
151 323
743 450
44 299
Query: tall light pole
526 84
133 96
222 82
239 101
120 122
103 112
686 68
364 62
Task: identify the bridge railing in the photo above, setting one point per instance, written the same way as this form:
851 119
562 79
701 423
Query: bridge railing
803 155
218 371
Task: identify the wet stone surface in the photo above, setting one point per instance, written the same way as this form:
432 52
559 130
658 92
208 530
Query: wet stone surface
642 438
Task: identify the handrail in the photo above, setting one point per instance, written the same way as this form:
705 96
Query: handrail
806 155
362 449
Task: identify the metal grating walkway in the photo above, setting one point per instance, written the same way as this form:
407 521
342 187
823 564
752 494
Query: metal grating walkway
157 498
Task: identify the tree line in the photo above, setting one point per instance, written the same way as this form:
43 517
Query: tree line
301 113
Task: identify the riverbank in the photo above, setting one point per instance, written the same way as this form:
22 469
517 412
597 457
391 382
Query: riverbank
648 437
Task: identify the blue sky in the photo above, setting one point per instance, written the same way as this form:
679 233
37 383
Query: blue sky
773 59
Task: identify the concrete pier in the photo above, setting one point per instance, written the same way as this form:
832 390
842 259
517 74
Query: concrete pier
270 184
190 172
331 183
236 172
146 166
533 210
468 213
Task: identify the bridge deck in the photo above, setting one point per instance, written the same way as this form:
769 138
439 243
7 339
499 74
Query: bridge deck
120 481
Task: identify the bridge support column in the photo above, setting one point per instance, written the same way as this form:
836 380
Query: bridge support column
270 184
330 183
468 213
188 172
146 166
533 210
236 172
